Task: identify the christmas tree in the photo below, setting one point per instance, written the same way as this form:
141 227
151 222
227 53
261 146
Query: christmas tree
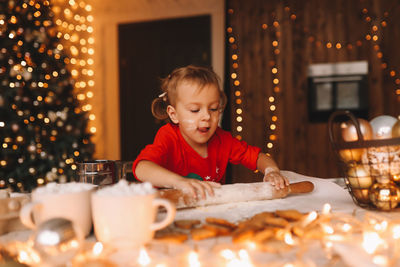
43 130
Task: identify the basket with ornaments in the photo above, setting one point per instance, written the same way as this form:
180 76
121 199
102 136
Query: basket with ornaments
368 155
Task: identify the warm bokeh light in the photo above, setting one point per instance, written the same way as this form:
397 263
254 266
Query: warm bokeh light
373 35
74 19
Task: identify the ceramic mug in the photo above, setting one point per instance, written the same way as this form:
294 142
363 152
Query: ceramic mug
74 205
128 221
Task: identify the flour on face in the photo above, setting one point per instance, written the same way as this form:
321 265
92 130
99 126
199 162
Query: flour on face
190 125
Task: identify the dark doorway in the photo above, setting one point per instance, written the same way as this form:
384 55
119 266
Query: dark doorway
149 51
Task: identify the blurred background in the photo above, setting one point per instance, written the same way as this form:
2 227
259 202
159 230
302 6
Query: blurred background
285 66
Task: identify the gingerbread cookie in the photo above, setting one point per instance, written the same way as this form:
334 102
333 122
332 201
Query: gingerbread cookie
220 222
186 224
203 233
290 215
276 221
219 229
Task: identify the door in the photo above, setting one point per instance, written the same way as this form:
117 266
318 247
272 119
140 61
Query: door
149 51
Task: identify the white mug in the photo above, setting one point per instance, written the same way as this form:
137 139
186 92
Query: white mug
72 205
128 221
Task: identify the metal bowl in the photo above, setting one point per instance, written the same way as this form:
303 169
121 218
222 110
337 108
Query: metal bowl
97 172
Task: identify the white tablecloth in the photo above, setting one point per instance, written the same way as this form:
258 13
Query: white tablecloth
326 191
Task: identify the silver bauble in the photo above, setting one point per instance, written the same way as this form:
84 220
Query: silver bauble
57 241
382 126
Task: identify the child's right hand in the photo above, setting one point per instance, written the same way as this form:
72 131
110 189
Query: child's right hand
196 187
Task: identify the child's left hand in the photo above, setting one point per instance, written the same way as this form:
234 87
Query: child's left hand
276 179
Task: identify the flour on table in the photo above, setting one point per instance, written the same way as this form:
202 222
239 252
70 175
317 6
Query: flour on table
238 193
325 191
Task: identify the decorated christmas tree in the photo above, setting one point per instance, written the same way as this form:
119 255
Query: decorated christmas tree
43 130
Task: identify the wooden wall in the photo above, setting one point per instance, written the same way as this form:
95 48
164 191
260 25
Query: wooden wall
303 30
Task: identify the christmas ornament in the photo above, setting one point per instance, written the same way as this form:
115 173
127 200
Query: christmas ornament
359 177
384 196
395 129
349 132
362 195
382 126
57 241
349 155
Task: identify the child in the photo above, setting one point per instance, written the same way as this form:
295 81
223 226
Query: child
192 145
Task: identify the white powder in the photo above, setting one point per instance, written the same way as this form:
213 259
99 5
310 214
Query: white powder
54 188
123 188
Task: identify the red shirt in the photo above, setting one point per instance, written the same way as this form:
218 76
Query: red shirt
171 151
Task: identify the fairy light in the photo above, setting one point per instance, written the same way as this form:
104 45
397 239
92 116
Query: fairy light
193 259
144 258
374 36
238 127
272 108
74 21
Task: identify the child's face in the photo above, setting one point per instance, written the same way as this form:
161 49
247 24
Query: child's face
197 111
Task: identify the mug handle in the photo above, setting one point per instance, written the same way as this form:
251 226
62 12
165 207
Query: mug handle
25 214
171 210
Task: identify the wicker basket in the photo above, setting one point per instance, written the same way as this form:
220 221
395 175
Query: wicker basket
365 162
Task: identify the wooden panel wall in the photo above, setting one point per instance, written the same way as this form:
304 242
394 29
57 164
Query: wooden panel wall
304 28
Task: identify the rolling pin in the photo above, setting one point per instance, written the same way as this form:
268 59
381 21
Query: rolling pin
239 192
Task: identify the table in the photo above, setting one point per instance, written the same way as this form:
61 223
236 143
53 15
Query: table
221 251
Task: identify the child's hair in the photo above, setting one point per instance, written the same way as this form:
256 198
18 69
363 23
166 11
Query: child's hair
200 75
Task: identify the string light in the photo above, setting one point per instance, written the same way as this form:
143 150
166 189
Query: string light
238 127
74 22
275 34
373 36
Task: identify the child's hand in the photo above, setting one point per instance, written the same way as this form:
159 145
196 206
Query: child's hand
275 178
196 187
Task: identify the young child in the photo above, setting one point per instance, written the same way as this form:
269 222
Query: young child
191 152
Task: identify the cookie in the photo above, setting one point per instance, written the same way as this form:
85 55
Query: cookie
298 230
263 235
290 215
243 234
186 224
262 216
221 230
203 233
276 221
222 222
256 221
